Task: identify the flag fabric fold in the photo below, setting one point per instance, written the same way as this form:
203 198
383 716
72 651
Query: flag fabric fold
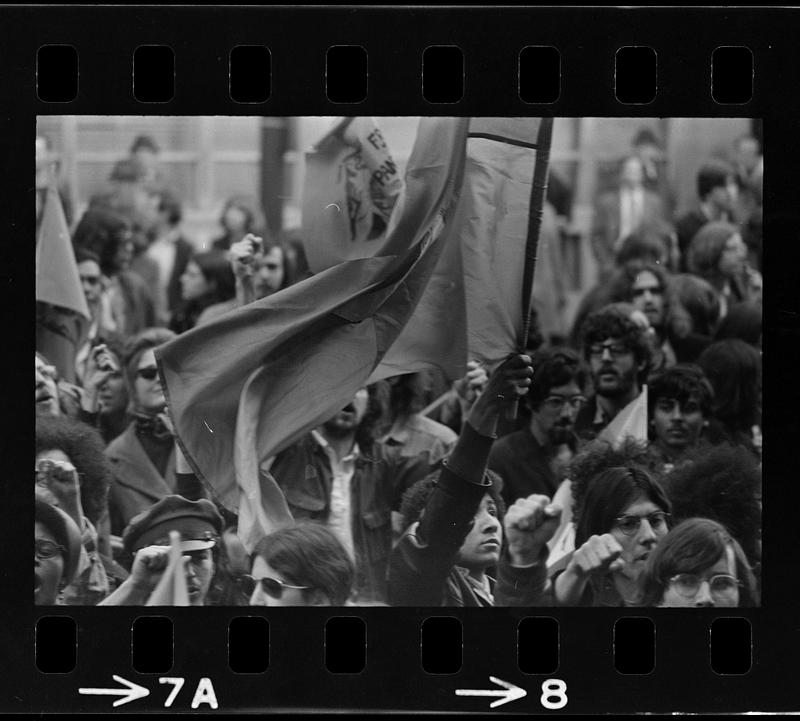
472 308
351 186
246 386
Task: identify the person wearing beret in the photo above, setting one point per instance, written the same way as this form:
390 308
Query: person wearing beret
147 539
57 550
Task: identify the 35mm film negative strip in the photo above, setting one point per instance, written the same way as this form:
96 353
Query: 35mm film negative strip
330 132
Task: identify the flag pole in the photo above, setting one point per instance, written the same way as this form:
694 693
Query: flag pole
538 187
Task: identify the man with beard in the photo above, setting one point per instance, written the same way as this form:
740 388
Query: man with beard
530 460
618 354
679 406
339 475
647 287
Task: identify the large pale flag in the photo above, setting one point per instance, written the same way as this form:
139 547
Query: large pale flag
61 309
351 186
248 385
630 422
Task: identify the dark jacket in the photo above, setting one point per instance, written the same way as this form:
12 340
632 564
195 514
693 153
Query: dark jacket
523 465
422 568
304 474
585 427
137 484
184 251
686 228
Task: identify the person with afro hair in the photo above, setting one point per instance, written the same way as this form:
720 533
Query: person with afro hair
722 483
73 474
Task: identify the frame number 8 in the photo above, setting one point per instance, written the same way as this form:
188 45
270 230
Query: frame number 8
553 688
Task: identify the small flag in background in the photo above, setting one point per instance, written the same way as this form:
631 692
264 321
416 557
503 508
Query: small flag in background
630 422
352 184
171 588
61 309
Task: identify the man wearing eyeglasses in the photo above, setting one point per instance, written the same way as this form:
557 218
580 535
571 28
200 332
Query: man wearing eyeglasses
530 460
618 354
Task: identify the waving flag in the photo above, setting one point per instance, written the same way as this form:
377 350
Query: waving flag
61 309
477 302
351 186
249 384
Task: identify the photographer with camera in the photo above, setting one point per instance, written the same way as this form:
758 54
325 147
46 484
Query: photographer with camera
261 268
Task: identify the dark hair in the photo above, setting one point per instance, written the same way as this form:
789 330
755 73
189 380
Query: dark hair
713 174
128 170
606 496
308 554
707 246
554 367
743 321
146 142
410 393
693 546
288 269
216 268
734 369
722 483
416 496
170 203
676 318
682 382
700 300
102 231
371 425
645 136
610 322
649 242
85 449
250 208
84 255
149 338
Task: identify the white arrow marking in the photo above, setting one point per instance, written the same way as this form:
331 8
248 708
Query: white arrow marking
510 692
133 692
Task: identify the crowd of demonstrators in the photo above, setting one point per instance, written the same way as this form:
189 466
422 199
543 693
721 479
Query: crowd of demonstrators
425 490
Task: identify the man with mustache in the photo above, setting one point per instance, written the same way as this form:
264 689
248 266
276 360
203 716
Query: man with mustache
342 476
679 406
530 460
618 354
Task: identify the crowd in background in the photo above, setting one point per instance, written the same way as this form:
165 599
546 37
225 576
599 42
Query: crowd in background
422 490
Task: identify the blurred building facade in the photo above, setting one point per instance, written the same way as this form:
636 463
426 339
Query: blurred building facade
208 159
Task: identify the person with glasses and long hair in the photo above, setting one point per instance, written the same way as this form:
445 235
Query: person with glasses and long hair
698 563
620 516
302 565
531 460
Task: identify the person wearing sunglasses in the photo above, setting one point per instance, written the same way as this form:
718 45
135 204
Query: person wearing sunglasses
530 460
147 540
698 564
143 457
620 516
57 550
303 565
